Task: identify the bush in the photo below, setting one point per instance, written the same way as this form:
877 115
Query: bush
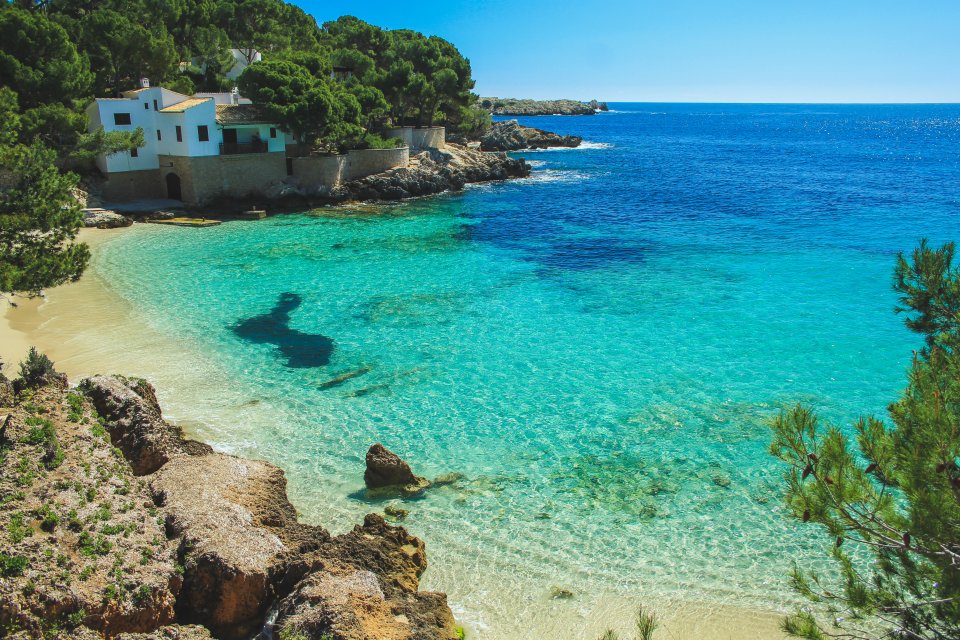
12 566
36 371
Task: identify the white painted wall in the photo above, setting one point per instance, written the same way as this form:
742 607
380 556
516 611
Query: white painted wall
140 106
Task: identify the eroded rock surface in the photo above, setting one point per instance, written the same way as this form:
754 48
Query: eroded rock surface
510 135
105 219
120 527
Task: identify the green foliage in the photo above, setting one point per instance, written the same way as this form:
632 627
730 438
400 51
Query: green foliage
49 518
892 490
12 566
421 78
38 60
313 109
39 220
18 529
645 625
36 370
92 547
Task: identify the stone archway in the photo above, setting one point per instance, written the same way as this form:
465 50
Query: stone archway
173 187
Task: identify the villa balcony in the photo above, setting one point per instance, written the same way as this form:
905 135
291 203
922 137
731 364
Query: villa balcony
234 148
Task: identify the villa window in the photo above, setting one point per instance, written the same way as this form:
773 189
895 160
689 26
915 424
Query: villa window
121 118
202 133
159 137
155 106
134 153
179 134
146 106
273 132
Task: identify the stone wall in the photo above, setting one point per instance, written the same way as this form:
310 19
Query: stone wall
133 185
315 173
366 162
203 179
419 137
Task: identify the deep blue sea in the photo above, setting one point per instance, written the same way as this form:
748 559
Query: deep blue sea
598 349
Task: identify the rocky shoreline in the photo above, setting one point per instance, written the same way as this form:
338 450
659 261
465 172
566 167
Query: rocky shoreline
429 173
119 526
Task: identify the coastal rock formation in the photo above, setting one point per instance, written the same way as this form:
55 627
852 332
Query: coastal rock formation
387 471
510 135
104 219
80 547
132 417
434 171
520 107
120 527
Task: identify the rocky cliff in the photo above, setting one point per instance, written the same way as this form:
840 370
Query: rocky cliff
512 136
115 525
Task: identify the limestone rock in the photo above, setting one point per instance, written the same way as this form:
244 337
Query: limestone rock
346 603
386 470
104 219
510 135
238 533
73 518
432 172
132 417
171 632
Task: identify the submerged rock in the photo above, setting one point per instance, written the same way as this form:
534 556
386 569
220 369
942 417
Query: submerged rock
387 472
395 511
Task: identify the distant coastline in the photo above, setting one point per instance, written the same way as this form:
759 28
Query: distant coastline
526 107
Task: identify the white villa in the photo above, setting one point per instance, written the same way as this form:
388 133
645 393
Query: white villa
218 145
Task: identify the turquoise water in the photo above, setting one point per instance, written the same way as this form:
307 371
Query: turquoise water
597 349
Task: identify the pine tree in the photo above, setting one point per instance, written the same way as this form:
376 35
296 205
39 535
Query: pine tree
889 493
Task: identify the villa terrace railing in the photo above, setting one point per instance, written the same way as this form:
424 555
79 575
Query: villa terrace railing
231 148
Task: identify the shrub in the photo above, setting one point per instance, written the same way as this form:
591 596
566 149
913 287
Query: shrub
12 566
36 370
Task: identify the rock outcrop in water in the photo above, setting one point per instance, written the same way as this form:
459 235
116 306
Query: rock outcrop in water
118 526
387 472
510 135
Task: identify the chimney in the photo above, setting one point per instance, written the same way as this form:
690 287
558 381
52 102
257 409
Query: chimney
235 96
144 83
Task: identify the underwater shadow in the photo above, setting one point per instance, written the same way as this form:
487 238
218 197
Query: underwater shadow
301 350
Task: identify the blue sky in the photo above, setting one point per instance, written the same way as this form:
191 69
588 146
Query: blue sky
693 50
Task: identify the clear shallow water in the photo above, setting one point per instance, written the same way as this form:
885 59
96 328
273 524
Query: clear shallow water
597 349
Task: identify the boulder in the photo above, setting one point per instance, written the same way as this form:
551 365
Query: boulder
345 603
104 219
132 417
386 470
240 539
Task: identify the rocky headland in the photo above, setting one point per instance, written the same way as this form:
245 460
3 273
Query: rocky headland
431 172
524 107
510 135
117 526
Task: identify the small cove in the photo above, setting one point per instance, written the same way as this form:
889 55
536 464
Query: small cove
597 352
